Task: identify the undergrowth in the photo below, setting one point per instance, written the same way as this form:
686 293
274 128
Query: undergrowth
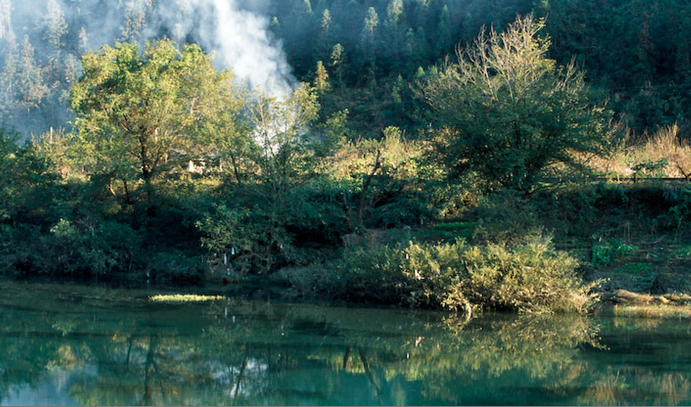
529 277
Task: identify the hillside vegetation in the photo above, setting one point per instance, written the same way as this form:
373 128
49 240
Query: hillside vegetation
439 154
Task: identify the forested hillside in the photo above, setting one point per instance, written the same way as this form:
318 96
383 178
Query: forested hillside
364 54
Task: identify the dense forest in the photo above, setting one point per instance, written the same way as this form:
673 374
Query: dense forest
636 53
416 152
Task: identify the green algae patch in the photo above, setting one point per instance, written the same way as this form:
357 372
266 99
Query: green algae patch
185 298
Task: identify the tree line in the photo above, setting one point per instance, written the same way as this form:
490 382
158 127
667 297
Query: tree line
174 170
635 53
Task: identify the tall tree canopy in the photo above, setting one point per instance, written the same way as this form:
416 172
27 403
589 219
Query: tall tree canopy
142 114
509 113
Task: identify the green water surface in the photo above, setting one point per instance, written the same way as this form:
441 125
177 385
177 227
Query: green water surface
67 345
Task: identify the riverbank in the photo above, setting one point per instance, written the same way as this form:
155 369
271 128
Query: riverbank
560 249
618 303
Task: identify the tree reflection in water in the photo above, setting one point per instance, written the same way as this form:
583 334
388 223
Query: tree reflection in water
105 347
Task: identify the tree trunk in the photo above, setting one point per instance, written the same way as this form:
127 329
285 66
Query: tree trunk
365 186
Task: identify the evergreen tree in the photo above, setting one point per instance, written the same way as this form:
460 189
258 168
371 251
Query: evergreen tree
417 53
8 87
393 35
321 79
275 27
83 41
302 34
422 11
338 61
5 19
325 35
31 86
135 18
54 23
394 13
368 42
307 5
367 38
444 42
682 62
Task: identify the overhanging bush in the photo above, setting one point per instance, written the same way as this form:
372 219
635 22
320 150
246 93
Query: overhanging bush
530 277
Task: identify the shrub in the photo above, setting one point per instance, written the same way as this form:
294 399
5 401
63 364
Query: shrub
21 250
173 266
369 276
604 253
100 248
508 220
530 277
248 236
238 242
71 248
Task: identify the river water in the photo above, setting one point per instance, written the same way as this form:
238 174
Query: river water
73 345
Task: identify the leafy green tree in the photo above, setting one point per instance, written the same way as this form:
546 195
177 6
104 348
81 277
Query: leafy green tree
25 181
509 113
226 140
250 233
142 115
281 131
8 155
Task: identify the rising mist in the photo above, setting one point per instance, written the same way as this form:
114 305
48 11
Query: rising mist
41 42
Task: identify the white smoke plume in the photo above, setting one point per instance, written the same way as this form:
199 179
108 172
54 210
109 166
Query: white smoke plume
236 31
239 38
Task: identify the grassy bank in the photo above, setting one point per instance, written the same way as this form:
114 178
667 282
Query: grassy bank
553 251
